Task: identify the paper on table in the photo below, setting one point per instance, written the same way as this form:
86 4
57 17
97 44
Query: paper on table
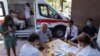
72 49
59 54
64 47
58 45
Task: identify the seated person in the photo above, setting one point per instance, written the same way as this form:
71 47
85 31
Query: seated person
21 23
90 29
87 47
44 33
30 49
71 31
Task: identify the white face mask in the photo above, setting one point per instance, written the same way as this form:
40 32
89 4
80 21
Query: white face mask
89 23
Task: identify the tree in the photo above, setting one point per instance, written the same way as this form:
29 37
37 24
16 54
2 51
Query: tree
61 4
51 1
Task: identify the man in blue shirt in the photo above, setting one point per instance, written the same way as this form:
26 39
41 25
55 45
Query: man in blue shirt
44 33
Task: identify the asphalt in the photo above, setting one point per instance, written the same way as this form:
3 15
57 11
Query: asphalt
3 50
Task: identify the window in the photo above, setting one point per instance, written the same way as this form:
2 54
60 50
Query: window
2 11
43 10
47 11
52 13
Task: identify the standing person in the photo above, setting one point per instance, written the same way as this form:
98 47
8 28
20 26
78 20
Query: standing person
71 31
11 12
28 13
44 33
88 48
18 22
30 49
90 29
9 37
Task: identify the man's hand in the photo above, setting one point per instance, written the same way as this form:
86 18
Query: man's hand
65 39
10 29
71 54
50 39
70 42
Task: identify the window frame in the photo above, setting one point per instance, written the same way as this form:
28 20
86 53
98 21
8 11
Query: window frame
40 12
48 8
3 9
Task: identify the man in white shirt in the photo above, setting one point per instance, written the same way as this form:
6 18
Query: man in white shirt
21 23
44 33
71 31
29 49
28 14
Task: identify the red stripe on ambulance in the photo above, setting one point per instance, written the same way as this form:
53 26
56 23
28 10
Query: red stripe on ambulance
1 21
51 21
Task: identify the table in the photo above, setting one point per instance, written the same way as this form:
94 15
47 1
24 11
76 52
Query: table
60 48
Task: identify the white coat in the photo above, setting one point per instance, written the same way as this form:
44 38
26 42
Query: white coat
88 51
29 50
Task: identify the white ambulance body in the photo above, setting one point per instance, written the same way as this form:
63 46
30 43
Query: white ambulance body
3 10
43 12
46 13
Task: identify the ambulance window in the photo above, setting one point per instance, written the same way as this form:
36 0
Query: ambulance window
43 10
53 13
2 12
49 12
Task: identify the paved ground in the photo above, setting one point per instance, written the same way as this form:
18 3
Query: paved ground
19 44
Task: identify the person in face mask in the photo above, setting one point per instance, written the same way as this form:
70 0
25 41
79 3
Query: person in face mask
90 29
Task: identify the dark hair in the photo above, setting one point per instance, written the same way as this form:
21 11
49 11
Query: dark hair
8 21
86 39
12 11
90 19
33 37
71 21
28 4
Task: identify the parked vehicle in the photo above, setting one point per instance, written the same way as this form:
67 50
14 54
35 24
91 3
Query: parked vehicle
43 12
46 13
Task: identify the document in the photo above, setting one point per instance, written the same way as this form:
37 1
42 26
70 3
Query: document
72 49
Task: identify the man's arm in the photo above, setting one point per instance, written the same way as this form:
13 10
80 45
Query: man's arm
66 35
39 32
75 34
72 43
84 29
95 33
50 35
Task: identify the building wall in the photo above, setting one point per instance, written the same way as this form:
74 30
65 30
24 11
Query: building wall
83 9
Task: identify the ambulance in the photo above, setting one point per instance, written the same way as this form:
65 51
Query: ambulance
46 13
43 12
3 10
